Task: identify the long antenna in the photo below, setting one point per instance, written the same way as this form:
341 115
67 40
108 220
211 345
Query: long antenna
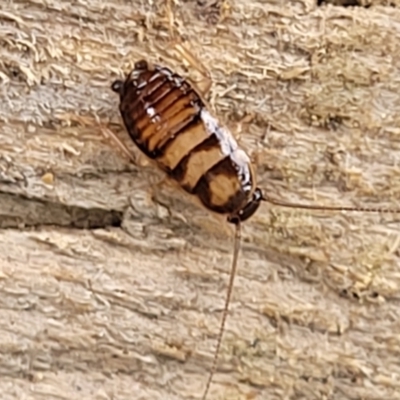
225 310
235 260
330 208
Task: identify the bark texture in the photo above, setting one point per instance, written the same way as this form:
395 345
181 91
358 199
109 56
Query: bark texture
112 289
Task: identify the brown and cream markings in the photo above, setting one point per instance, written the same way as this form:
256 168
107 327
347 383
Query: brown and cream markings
168 119
170 124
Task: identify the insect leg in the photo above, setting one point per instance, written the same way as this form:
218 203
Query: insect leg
109 134
203 85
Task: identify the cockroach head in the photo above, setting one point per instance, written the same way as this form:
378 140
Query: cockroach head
249 209
119 86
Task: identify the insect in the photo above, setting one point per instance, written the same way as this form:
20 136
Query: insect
169 120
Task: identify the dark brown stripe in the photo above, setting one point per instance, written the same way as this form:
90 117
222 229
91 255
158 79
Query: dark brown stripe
132 103
175 92
224 167
154 97
132 121
169 101
134 133
135 114
178 173
173 123
170 110
136 97
202 189
195 120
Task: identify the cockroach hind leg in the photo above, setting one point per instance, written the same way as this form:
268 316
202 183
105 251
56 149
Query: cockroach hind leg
204 84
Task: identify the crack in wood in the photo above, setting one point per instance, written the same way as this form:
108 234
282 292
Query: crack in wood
17 211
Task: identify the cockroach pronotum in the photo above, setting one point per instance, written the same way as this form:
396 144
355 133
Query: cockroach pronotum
169 120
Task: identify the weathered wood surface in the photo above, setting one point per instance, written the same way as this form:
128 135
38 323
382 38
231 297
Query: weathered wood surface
110 290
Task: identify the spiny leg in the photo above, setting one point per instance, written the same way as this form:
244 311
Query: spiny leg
107 133
138 159
203 85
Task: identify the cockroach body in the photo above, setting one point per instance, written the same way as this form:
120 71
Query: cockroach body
168 119
169 122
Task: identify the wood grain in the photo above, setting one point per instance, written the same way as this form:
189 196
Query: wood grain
112 288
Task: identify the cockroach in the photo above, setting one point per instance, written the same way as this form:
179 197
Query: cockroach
169 120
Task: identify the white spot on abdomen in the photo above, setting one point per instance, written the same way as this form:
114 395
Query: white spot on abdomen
229 147
151 112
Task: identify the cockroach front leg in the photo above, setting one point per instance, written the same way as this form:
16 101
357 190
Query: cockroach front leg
108 134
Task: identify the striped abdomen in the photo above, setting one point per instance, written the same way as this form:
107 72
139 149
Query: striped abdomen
170 124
